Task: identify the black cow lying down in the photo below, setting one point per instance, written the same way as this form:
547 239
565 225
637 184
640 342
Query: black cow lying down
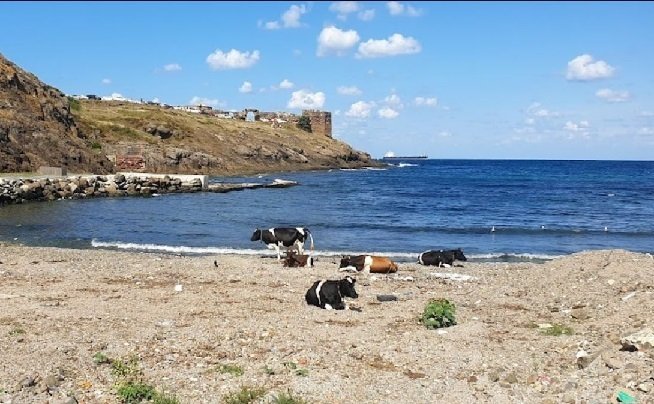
294 260
441 258
329 294
288 237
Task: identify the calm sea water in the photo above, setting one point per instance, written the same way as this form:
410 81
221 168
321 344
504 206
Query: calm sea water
537 209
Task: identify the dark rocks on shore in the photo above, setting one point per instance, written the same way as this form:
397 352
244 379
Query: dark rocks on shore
47 189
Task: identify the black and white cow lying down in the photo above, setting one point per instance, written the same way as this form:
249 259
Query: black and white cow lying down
329 294
441 258
278 237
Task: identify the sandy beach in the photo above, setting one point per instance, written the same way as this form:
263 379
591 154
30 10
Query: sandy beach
244 324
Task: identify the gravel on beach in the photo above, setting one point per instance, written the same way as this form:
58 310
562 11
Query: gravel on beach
577 329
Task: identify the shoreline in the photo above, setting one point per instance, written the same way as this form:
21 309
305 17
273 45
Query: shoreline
63 306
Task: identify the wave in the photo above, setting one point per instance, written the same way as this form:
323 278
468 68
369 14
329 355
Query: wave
399 256
402 165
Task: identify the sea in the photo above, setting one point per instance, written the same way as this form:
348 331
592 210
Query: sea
495 210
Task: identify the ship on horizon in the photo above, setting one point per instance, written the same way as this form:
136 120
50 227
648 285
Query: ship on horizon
391 156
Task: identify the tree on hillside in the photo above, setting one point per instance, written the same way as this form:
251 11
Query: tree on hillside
304 123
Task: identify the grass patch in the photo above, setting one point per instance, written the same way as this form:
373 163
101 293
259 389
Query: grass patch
100 358
233 370
74 104
297 371
288 398
245 396
438 313
556 330
132 392
96 146
16 331
128 368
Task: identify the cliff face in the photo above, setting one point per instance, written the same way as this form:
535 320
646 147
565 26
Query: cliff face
37 128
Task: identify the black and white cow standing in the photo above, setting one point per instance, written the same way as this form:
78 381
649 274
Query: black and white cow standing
329 294
441 258
278 237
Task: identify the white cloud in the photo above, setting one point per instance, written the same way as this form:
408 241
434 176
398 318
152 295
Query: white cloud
394 101
336 41
580 127
646 113
646 131
172 67
397 8
351 90
584 68
233 59
306 100
537 110
245 88
444 134
388 113
612 95
106 81
286 84
289 19
395 45
343 8
366 15
205 101
360 109
427 102
155 99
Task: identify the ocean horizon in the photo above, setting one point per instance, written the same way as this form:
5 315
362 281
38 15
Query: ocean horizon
496 210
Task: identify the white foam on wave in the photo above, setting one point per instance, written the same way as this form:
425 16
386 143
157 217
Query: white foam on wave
402 165
173 249
523 256
326 253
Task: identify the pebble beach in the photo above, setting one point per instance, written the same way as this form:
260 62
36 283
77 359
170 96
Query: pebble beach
204 328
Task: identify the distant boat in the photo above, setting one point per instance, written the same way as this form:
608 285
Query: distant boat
396 158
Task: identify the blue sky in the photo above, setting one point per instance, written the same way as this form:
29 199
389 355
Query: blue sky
546 80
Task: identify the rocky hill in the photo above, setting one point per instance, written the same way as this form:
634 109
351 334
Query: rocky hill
38 129
39 126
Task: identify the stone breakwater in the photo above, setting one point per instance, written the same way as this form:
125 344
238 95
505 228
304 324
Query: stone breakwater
96 186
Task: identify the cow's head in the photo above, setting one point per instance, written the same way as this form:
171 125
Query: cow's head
458 254
346 287
394 266
345 261
256 235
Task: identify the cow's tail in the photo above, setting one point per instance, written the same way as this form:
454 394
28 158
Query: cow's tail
311 237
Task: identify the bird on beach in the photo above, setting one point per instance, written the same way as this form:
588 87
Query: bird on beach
542 227
493 229
606 228
215 263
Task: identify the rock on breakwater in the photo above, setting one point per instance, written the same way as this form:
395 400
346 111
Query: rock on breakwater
49 189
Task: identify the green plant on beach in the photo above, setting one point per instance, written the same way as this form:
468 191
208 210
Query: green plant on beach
288 398
128 368
438 313
16 331
233 370
246 395
268 370
133 392
100 358
557 330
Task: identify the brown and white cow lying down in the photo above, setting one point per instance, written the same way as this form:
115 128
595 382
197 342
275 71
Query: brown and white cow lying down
368 264
294 260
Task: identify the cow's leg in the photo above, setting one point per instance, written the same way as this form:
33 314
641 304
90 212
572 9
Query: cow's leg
279 254
328 307
339 306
